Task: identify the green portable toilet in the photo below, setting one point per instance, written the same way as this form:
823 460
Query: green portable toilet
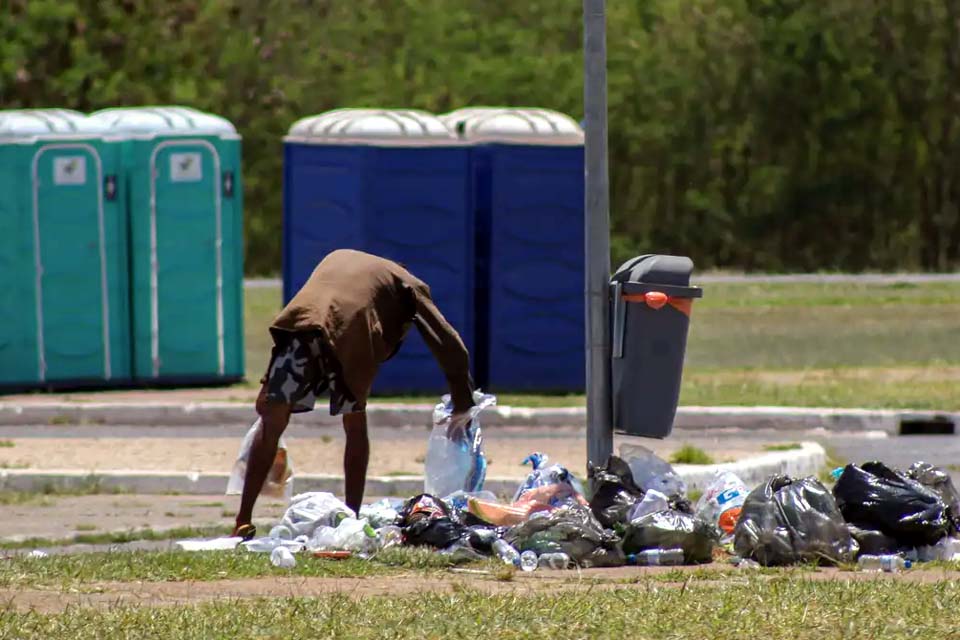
63 261
182 174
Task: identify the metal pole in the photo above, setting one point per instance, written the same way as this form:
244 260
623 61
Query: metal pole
597 236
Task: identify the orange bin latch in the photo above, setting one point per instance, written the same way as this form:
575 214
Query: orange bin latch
657 300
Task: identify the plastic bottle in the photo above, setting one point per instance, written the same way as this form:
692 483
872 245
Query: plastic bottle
389 536
528 561
262 545
281 557
507 553
658 557
888 563
555 561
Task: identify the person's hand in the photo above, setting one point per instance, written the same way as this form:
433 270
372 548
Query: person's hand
457 425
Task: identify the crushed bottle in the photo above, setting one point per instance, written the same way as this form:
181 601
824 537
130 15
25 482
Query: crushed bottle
282 558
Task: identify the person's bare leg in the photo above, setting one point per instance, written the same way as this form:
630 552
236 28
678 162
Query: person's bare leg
275 417
356 455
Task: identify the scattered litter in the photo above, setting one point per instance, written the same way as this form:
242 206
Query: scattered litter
871 541
546 475
638 514
874 496
614 492
307 511
939 480
885 563
279 483
652 502
382 513
787 521
216 544
672 529
282 558
456 464
657 558
573 530
37 553
722 501
652 472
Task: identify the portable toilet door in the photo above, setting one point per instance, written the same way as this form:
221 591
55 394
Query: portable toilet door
183 174
395 183
528 166
63 253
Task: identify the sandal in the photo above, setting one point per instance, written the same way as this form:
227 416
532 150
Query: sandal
245 531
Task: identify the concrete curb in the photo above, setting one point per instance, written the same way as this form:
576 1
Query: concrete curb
888 421
809 459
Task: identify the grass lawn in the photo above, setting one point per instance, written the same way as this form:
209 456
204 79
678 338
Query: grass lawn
707 603
833 344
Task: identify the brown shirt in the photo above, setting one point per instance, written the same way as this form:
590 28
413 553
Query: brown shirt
364 305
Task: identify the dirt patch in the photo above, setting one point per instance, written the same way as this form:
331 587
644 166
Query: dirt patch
62 517
393 451
153 594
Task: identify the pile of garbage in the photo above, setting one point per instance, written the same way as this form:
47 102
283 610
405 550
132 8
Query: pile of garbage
637 512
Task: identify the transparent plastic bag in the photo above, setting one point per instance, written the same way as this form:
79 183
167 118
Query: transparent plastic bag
785 521
279 482
652 472
545 474
458 464
307 511
572 530
722 501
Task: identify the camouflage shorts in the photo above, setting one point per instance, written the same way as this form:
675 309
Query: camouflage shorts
302 369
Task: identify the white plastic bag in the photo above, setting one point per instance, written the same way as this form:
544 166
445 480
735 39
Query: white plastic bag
279 482
307 511
652 472
722 501
459 464
652 502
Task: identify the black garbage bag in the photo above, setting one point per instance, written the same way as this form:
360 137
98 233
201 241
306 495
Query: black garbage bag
872 542
673 530
571 529
786 521
427 521
434 532
614 492
939 480
874 496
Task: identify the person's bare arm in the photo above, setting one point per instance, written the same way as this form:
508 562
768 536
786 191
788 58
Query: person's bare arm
448 349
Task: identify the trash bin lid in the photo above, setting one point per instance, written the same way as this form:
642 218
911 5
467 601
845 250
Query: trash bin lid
514 125
387 127
669 274
27 124
168 121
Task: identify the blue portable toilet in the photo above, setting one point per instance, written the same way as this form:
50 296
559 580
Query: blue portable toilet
64 294
395 183
529 175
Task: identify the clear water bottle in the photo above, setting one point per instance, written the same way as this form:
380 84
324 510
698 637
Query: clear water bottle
888 563
658 558
281 557
528 561
507 553
555 561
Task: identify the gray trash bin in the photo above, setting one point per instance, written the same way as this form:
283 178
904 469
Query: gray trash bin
652 298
